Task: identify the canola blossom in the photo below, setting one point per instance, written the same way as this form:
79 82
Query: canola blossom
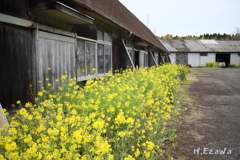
121 116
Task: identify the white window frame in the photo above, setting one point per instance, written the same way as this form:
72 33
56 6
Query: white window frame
104 43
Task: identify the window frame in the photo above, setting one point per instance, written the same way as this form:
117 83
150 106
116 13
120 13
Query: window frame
96 42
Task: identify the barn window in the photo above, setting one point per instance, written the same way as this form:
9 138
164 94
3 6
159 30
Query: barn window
90 54
104 36
146 59
156 58
143 59
94 57
100 35
81 59
203 54
104 58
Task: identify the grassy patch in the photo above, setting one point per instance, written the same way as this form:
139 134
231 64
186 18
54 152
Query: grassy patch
234 65
186 103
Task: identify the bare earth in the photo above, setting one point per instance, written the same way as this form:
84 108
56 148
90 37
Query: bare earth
211 128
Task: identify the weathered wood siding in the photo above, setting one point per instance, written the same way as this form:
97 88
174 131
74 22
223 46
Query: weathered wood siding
57 53
161 58
150 59
125 62
172 57
182 58
15 64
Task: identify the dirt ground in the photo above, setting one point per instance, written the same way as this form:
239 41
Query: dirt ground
211 127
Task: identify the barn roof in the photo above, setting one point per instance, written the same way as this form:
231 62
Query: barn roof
117 13
191 46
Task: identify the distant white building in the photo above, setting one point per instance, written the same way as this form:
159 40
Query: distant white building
199 52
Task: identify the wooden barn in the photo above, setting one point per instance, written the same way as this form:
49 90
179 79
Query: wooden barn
199 52
42 39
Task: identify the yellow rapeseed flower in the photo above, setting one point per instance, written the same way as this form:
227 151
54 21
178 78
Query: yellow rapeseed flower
11 146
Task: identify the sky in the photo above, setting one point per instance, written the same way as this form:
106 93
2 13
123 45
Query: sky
187 17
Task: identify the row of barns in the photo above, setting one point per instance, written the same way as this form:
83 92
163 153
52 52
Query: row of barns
42 39
199 52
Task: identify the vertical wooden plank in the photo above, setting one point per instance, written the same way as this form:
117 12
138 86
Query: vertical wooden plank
40 62
67 63
50 64
69 59
34 63
3 119
62 56
66 53
73 60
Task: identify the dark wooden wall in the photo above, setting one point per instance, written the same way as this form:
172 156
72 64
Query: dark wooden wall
16 8
15 64
150 59
116 51
160 58
87 31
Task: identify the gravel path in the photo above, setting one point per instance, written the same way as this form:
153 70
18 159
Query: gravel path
211 128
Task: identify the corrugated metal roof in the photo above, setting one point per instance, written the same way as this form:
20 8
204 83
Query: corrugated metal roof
176 45
116 12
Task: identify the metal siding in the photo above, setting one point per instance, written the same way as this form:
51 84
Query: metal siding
175 45
211 57
193 59
234 58
58 54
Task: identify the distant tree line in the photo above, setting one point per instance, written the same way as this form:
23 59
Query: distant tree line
215 36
